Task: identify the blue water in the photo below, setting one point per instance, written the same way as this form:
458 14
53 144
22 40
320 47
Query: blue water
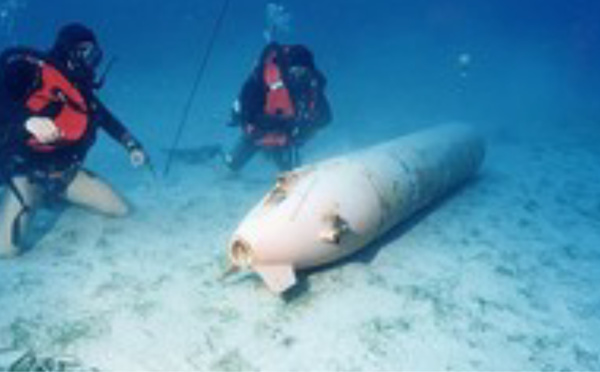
525 72
531 62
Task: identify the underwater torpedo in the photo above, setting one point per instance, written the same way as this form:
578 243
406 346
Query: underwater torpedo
320 213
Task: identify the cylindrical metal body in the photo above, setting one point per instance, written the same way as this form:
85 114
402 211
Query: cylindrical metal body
322 212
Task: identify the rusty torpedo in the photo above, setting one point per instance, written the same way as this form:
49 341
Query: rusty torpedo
319 213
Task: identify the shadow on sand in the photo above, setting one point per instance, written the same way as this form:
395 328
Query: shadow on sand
367 254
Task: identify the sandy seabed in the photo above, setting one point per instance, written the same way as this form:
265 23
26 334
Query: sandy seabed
501 276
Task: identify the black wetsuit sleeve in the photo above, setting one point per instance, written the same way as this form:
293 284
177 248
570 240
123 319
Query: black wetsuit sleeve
18 77
114 127
321 115
252 99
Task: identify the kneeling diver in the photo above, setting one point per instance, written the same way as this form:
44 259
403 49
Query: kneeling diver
49 118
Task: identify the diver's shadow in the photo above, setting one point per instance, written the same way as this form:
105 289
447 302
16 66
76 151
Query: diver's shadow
367 255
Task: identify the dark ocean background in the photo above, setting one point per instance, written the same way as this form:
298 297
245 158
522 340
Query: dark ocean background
533 64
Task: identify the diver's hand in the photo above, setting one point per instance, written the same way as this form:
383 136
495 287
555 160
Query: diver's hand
236 114
43 129
138 157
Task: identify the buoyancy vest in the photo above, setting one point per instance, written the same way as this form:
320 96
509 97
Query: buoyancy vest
278 101
60 100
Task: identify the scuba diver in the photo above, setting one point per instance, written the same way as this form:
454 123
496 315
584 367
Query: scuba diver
49 118
281 106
